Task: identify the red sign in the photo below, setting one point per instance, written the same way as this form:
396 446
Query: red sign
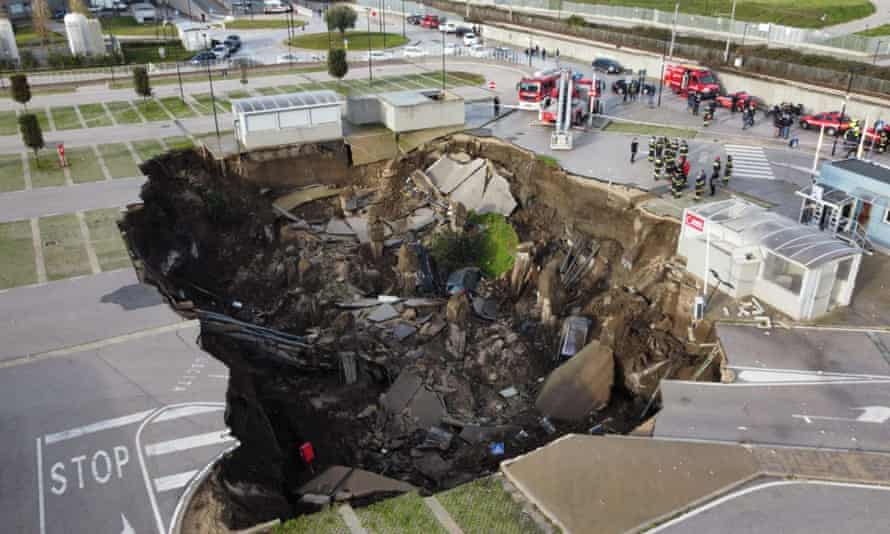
695 222
307 452
492 85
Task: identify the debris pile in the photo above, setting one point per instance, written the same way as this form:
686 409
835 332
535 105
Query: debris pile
341 328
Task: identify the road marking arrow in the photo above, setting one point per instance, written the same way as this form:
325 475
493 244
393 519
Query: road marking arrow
128 529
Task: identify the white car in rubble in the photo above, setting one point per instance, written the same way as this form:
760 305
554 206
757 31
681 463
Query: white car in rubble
413 51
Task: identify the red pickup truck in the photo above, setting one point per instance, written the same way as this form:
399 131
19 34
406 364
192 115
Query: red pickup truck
431 22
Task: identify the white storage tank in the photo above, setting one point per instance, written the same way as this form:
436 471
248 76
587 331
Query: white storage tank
9 50
307 117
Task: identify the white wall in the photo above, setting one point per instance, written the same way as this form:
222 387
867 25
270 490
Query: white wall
432 114
8 47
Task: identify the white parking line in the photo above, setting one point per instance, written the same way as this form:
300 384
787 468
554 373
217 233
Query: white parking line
186 411
190 442
171 482
41 500
96 427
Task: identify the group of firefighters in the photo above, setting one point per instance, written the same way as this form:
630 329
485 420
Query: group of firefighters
853 135
670 160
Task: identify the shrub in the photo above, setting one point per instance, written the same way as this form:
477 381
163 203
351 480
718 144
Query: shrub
497 242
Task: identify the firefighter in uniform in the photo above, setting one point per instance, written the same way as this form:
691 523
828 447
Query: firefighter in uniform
707 117
684 172
699 185
675 146
659 163
651 149
659 148
883 142
716 167
677 183
669 162
684 149
727 172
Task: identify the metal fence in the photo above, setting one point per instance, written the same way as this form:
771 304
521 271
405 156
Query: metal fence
737 30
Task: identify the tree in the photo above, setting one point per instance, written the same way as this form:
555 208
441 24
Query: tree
40 17
576 21
77 6
20 90
337 65
340 18
32 136
141 83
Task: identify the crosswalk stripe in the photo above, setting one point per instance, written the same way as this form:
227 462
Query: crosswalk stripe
171 482
750 162
189 442
186 411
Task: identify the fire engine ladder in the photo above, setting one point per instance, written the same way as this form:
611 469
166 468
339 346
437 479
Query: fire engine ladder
561 138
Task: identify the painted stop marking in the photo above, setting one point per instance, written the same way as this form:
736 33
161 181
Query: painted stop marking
492 85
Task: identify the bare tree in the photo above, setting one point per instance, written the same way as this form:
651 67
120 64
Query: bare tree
40 17
77 6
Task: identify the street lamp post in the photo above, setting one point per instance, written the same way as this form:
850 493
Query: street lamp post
403 18
674 29
661 77
213 101
843 111
370 69
443 62
729 33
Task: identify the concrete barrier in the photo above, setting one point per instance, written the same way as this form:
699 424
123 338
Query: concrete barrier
771 90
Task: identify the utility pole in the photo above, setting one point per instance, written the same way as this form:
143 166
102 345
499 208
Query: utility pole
661 78
179 76
213 101
443 63
674 29
729 33
843 111
370 69
383 22
877 51
403 18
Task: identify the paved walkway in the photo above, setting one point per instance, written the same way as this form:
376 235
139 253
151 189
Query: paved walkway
879 17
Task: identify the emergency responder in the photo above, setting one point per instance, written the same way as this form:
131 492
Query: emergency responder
713 182
669 160
685 167
670 170
659 164
677 184
675 146
727 172
634 147
699 185
883 142
684 149
707 117
651 156
659 147
716 166
497 106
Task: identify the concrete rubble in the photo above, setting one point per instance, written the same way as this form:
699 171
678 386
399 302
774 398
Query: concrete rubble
348 338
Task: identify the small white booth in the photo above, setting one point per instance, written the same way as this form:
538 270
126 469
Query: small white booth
748 250
307 117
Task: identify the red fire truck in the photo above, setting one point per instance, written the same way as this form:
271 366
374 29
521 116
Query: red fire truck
535 91
584 97
684 79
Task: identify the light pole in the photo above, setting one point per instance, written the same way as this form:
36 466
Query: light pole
843 110
403 18
443 62
877 51
729 33
370 70
674 29
213 101
661 77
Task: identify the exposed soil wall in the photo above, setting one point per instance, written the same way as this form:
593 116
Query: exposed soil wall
211 240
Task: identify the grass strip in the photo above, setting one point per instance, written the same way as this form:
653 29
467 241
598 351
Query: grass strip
65 118
119 161
124 113
12 174
17 251
94 115
84 165
106 238
45 171
178 107
148 148
64 251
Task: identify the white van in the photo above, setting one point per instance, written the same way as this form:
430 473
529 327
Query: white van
144 12
276 6
448 27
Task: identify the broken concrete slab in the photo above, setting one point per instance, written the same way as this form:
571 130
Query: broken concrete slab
582 384
339 227
384 312
471 191
447 174
304 196
497 197
403 331
432 466
421 218
407 396
401 392
353 481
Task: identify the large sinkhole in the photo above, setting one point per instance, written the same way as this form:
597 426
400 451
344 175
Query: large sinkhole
421 319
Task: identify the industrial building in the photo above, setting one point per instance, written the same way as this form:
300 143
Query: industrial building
749 251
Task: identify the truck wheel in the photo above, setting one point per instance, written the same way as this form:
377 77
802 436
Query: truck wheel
831 130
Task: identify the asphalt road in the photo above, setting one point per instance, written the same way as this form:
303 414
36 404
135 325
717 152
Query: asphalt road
96 436
789 507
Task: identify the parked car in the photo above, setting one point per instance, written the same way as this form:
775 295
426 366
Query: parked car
288 58
741 99
609 66
276 6
448 27
477 50
470 39
413 51
378 55
430 21
415 19
203 58
833 121
233 42
221 51
462 30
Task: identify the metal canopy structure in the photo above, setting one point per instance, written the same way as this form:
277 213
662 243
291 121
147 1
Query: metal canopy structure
796 242
307 99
